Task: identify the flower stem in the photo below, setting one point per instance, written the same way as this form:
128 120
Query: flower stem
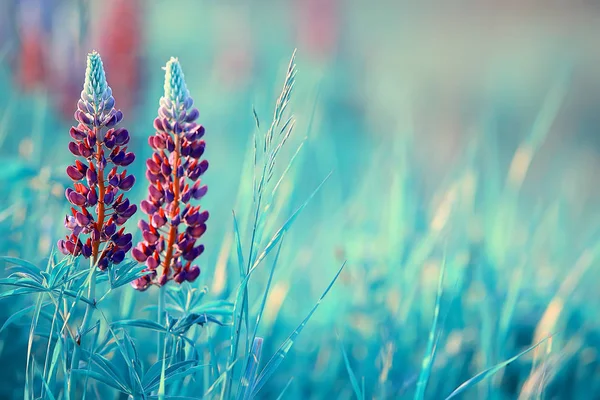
91 294
161 321
89 311
174 209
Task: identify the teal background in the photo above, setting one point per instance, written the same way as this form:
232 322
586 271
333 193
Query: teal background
467 133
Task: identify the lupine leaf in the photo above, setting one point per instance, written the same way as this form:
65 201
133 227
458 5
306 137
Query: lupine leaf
99 377
140 323
19 314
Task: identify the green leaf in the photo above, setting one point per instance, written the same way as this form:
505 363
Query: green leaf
285 388
429 357
278 235
140 323
357 390
19 314
17 292
100 378
249 377
176 371
109 369
26 265
490 371
284 349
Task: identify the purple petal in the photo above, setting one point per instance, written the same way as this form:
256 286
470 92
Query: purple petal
193 273
186 195
92 197
165 169
143 225
128 159
129 212
109 196
103 264
155 194
158 221
86 251
158 125
77 134
127 183
123 239
74 173
192 115
118 158
152 166
180 276
85 150
76 198
138 255
198 149
109 141
110 229
152 263
74 149
121 136
150 237
92 177
196 231
81 219
199 192
147 207
82 117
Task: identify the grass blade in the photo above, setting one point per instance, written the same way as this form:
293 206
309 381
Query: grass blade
284 349
429 357
490 371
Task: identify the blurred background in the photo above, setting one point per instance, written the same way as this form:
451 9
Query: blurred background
467 132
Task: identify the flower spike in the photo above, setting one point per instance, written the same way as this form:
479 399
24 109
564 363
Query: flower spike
173 171
99 207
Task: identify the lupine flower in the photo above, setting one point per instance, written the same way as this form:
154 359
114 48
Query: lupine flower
99 209
174 225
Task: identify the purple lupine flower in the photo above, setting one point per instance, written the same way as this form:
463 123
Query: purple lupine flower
174 225
98 209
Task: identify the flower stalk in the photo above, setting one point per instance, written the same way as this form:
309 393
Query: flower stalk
98 208
174 225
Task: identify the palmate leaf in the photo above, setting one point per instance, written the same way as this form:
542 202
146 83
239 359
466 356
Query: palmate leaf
17 292
25 266
185 323
109 369
172 375
217 307
126 273
153 373
286 346
140 323
100 378
59 273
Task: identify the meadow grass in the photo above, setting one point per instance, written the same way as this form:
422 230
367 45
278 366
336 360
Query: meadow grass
385 294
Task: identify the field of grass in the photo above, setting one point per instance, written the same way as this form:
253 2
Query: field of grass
377 230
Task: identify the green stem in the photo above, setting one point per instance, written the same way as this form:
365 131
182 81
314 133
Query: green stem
161 320
87 317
